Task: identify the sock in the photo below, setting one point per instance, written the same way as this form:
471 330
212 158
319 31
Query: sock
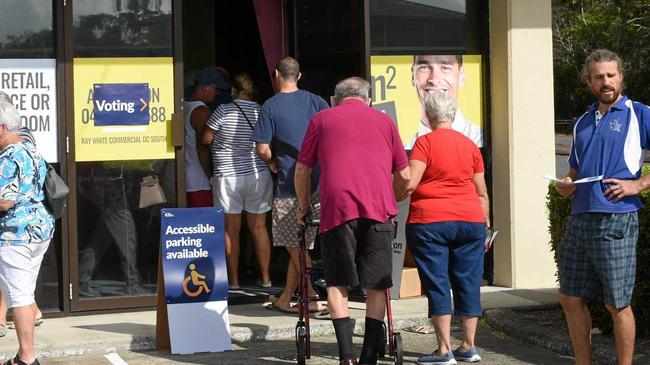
343 327
371 339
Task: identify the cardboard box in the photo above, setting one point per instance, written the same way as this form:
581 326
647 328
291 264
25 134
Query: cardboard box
410 286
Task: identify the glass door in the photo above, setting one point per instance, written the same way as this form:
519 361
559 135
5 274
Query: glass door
122 97
30 55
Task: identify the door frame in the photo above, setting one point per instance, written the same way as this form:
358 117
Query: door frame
70 265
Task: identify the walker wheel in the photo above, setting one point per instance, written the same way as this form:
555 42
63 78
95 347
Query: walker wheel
301 344
399 348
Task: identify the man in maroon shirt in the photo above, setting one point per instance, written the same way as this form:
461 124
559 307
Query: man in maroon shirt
360 154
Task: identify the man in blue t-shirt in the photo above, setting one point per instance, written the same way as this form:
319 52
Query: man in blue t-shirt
599 246
278 136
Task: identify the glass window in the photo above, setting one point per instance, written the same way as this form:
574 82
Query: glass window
122 28
418 25
26 29
119 241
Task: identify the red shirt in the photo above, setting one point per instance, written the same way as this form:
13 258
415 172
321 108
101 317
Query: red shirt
358 149
446 192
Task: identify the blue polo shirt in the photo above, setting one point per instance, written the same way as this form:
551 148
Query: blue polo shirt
282 123
612 148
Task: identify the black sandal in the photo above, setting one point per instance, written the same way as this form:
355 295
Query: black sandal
17 361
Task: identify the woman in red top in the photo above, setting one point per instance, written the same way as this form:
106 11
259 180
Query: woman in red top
446 227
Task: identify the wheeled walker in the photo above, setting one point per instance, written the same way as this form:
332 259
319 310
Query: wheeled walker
391 340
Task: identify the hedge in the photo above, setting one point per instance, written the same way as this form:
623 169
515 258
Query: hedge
559 209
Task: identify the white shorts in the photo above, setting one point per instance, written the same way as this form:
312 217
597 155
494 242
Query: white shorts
250 193
19 266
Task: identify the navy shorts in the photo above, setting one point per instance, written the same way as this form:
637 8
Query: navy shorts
599 249
359 252
449 256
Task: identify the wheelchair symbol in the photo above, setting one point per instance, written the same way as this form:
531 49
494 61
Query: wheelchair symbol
197 281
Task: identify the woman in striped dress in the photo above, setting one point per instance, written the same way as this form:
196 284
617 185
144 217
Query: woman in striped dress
241 181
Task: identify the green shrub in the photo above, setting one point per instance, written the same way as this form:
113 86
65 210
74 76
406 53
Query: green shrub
559 209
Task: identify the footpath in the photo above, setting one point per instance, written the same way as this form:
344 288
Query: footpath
516 312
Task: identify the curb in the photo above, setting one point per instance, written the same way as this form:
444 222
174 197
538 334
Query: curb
237 334
554 339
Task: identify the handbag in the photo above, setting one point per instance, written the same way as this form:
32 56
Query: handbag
56 192
151 193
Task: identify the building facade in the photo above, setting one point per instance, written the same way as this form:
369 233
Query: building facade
72 66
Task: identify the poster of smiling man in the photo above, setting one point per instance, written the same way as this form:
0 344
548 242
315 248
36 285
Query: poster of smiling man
401 86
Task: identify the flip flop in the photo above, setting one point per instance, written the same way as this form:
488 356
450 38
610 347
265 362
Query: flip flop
323 314
273 307
17 361
3 330
38 322
310 311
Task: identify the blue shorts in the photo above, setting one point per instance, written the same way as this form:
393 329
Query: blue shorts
599 249
449 256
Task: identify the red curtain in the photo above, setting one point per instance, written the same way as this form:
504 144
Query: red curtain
272 24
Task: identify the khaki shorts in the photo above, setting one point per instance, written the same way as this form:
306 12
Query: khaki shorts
285 225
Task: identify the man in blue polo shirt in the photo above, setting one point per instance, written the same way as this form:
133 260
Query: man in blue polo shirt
278 136
599 246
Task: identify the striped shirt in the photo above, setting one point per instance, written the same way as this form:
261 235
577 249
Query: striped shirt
233 150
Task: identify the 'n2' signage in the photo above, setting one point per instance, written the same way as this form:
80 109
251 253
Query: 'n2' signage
121 104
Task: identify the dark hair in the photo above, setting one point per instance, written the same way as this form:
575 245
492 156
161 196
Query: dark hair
459 58
597 56
288 68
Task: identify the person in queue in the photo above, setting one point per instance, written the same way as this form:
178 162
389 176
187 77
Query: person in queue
241 181
27 228
278 136
446 227
359 150
197 155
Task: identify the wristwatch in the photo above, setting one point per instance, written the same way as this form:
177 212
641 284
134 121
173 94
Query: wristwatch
305 210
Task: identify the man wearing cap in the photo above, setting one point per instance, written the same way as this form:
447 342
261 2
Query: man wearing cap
209 84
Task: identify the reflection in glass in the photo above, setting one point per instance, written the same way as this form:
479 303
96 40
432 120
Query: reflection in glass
118 241
122 28
427 25
26 29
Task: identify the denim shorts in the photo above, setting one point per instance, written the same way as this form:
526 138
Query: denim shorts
449 256
599 250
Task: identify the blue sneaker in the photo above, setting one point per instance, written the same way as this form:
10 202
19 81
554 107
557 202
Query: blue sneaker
433 359
470 355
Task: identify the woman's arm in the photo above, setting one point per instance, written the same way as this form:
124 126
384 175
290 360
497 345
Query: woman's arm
481 189
416 170
5 205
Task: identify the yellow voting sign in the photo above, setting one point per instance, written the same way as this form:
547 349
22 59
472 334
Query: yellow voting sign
123 108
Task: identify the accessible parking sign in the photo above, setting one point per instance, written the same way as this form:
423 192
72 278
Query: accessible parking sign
196 279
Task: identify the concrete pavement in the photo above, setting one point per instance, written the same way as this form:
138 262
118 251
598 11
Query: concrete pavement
104 333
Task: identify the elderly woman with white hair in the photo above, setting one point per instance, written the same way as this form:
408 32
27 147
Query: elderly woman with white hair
26 228
446 227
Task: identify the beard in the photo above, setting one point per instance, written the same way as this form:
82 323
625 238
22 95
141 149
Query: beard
608 98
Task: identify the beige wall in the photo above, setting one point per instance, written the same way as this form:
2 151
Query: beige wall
521 62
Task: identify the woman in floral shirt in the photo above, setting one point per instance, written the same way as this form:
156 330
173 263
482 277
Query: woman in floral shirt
26 228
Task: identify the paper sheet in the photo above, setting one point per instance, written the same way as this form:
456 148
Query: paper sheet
579 181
